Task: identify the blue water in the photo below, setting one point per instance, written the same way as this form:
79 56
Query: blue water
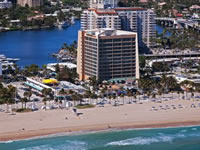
185 138
36 46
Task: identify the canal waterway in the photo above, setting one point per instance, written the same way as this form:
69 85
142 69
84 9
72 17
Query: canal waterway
36 46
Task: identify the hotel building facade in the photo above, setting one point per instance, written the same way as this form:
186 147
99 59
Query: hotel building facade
107 54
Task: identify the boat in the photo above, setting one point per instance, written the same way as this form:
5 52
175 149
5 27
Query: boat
72 20
63 24
3 58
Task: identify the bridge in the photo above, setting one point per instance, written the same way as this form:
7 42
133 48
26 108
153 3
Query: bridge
179 23
151 58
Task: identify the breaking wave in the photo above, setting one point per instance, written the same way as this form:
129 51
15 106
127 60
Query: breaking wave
160 138
68 145
5 142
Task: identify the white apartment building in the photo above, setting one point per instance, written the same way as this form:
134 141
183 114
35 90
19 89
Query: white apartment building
5 4
102 4
138 20
100 18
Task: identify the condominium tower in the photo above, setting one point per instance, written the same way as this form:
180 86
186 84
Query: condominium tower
107 54
138 20
102 4
30 3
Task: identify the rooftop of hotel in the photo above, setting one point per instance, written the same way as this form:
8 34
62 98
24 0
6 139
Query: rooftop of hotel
108 32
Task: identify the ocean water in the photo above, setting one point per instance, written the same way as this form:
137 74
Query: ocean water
183 138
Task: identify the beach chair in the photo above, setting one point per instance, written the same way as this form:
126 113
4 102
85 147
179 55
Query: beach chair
152 108
180 106
167 107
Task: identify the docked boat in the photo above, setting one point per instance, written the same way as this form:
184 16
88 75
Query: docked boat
3 58
72 20
63 24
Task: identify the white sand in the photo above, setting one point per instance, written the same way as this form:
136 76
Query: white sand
25 125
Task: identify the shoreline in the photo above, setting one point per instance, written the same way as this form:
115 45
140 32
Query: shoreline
67 131
133 116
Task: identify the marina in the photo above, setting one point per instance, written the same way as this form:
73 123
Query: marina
7 62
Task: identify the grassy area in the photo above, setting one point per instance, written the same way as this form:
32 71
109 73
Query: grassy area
85 106
21 110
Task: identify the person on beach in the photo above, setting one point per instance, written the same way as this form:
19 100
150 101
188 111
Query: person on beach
75 111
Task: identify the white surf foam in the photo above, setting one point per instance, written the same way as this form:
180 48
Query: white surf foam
194 129
148 140
6 141
142 141
183 131
68 145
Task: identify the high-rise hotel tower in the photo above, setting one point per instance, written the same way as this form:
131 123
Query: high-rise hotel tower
107 54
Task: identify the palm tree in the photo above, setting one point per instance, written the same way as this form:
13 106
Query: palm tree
47 92
88 94
122 96
138 94
24 100
188 85
1 85
4 95
27 96
12 90
129 94
154 95
75 98
178 92
110 97
7 95
10 102
80 98
103 91
93 81
62 92
44 100
95 97
160 92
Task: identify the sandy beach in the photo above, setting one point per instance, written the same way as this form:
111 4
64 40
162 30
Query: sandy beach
40 123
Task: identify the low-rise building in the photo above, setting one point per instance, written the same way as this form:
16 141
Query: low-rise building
51 66
191 78
195 7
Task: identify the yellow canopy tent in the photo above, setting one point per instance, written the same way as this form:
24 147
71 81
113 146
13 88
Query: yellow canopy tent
50 81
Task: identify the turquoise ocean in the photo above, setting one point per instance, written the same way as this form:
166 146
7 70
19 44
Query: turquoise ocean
183 138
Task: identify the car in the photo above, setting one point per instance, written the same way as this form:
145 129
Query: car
36 100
